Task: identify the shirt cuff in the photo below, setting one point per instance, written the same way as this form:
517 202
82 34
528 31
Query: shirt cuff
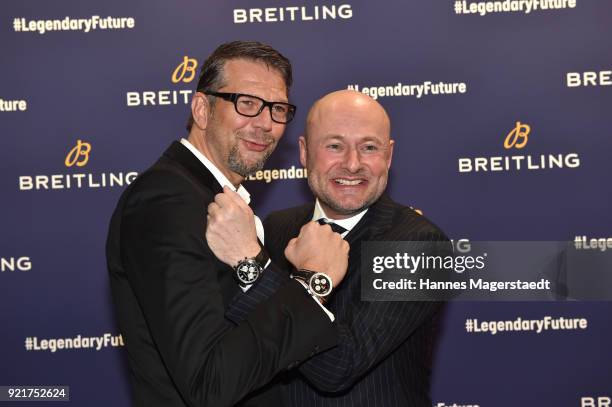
318 301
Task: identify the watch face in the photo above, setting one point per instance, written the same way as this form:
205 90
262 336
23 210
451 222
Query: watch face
248 272
320 284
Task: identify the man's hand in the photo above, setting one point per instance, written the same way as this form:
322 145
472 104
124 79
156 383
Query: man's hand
318 248
230 230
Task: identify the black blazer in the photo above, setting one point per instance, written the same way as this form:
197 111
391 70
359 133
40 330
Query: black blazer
170 295
383 354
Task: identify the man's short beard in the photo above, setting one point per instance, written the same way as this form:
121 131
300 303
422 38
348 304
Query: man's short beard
343 210
237 165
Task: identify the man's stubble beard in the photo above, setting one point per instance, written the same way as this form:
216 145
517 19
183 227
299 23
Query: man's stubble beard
239 166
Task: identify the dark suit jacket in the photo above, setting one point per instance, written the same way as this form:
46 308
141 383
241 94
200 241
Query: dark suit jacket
383 354
170 295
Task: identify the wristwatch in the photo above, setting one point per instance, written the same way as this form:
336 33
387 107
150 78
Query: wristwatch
250 269
319 284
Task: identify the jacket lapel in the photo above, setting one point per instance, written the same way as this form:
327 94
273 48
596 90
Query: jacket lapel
375 223
180 154
372 226
302 216
383 212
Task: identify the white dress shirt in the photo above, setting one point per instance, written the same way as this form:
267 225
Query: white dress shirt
348 223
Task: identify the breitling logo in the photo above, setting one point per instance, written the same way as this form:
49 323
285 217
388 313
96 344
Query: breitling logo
517 139
184 72
519 132
78 156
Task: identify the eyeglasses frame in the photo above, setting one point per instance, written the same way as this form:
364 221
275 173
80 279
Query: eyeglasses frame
233 97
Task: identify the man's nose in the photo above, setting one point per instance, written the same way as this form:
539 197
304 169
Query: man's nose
352 160
264 119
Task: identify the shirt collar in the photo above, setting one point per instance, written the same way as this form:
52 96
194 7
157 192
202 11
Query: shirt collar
348 223
221 179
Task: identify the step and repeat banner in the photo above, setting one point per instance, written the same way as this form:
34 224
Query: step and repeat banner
502 117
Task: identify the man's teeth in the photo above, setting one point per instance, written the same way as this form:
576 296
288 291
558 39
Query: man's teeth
348 182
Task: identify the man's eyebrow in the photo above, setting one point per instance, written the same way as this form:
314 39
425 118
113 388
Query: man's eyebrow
329 137
373 139
366 139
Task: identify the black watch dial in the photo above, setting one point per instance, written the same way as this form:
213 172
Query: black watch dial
248 271
320 284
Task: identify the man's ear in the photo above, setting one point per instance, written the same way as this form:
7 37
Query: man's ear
391 144
200 110
303 152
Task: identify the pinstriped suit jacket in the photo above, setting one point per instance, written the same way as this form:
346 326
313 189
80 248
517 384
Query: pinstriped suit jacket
384 349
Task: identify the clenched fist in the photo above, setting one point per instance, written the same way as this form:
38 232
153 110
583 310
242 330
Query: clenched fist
318 248
230 230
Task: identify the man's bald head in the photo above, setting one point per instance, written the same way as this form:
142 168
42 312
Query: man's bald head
345 104
347 151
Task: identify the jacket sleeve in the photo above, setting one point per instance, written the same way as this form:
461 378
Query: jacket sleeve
368 333
272 279
174 277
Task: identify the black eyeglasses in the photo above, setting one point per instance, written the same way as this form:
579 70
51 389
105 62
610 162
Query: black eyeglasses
251 106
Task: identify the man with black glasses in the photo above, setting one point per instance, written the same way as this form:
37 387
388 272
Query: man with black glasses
171 292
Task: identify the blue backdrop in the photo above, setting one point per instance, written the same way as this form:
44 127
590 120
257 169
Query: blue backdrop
87 102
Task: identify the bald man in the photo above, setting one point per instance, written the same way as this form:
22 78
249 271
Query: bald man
383 354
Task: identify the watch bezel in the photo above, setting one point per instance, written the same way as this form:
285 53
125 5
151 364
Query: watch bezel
252 262
311 284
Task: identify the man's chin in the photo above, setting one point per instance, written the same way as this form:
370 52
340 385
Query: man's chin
255 158
347 208
351 205
247 165
246 168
